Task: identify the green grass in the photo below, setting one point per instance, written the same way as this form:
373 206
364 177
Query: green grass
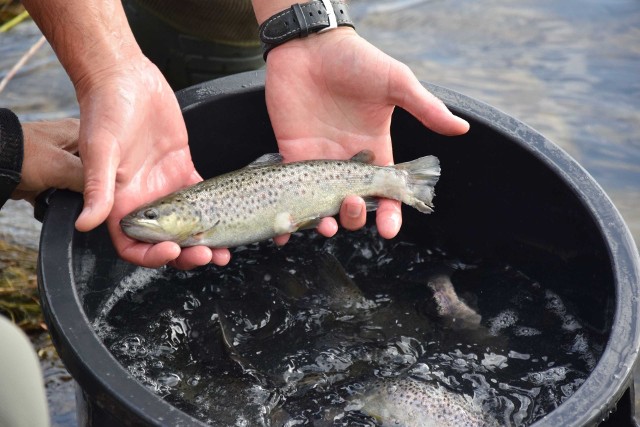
9 9
18 287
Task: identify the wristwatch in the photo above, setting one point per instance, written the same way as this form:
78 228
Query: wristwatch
300 20
11 153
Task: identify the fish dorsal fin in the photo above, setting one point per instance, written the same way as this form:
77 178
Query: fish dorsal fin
331 275
364 156
266 160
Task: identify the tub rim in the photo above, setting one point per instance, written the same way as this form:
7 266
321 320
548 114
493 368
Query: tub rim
81 350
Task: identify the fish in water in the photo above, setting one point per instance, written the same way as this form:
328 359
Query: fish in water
324 283
450 307
408 402
268 198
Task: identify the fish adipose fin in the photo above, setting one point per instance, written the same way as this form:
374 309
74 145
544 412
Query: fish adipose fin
423 174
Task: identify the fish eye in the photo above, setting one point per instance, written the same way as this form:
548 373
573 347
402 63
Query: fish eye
150 214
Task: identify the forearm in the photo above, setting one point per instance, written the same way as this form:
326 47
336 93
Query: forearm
88 36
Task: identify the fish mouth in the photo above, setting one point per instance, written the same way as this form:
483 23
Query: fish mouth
149 231
138 230
127 222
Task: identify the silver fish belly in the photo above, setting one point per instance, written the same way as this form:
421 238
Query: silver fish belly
269 198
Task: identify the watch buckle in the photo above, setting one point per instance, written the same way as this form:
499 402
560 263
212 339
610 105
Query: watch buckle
331 14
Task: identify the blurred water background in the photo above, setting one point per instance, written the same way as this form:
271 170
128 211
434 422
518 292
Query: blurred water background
569 69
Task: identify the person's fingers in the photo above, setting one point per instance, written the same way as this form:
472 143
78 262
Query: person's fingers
353 213
408 93
220 257
389 218
100 167
47 163
65 134
282 239
328 227
192 257
148 255
68 172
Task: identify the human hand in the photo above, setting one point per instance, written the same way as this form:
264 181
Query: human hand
133 144
49 159
332 95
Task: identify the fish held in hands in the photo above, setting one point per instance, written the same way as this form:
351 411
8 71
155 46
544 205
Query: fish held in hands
268 198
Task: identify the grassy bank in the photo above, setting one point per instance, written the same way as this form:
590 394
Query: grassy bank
18 287
9 9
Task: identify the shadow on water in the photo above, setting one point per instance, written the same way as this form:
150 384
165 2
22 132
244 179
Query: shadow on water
568 69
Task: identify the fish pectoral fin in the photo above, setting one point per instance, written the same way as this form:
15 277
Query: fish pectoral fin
371 203
195 239
285 223
266 160
308 223
364 156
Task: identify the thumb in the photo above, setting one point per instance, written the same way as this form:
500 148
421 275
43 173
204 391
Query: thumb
408 93
100 158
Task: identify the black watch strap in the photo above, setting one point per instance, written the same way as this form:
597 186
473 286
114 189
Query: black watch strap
11 153
302 19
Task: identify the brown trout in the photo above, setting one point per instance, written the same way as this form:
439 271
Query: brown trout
268 198
407 402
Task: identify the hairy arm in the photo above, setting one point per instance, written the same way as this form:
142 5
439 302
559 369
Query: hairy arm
133 141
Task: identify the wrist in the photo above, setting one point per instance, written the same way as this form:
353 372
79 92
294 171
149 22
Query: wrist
87 35
11 153
302 20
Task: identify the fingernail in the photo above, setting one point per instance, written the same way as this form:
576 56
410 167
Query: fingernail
354 210
394 221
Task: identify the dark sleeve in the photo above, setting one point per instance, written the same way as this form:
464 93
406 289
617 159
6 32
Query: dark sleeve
11 153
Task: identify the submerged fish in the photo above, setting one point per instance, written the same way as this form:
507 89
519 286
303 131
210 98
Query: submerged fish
408 402
324 283
268 198
450 307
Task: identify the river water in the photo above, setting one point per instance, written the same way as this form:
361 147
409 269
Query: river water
569 69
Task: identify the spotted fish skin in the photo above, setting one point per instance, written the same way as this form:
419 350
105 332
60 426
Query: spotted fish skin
269 198
408 402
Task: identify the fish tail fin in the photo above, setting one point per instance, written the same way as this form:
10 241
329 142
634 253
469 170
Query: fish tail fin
423 174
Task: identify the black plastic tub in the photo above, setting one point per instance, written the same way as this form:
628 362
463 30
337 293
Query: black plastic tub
505 192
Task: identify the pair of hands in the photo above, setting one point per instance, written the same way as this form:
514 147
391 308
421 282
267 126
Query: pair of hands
328 95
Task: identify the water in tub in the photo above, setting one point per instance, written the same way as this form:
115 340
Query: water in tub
353 330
